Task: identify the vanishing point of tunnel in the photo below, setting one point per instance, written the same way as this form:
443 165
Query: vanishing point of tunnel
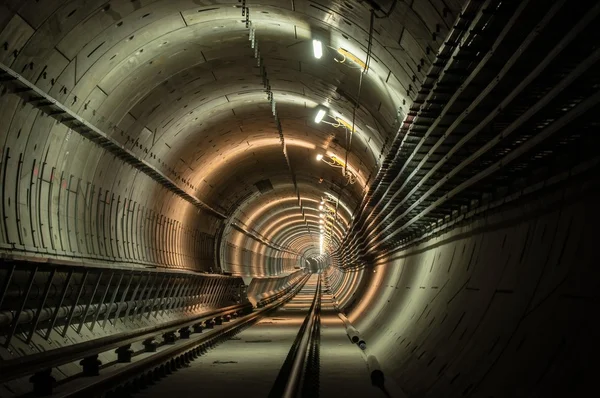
299 198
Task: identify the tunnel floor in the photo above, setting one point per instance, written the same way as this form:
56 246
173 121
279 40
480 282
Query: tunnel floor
249 363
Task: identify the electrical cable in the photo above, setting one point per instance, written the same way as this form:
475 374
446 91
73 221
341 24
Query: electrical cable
349 135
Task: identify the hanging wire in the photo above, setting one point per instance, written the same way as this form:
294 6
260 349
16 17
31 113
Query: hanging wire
360 80
351 179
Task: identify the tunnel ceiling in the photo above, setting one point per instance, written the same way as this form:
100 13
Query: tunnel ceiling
198 89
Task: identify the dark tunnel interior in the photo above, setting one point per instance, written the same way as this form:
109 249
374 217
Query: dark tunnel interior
299 198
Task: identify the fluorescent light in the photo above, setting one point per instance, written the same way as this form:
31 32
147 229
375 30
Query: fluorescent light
319 157
321 207
320 115
317 49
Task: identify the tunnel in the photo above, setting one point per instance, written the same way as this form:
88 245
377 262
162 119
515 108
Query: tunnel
280 198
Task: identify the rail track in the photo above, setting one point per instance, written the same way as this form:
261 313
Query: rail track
153 361
166 347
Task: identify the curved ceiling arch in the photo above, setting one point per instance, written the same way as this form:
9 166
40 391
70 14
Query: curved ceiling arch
176 82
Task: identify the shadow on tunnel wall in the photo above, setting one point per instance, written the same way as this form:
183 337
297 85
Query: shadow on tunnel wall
501 305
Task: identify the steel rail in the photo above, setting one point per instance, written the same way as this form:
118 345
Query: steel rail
182 352
292 386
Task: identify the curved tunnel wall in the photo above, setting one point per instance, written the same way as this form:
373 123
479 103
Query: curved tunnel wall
346 287
496 306
123 67
242 260
62 194
160 78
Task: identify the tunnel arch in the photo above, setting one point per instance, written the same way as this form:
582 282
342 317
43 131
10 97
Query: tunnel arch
448 136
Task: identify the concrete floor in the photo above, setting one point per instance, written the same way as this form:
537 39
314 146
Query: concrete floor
249 363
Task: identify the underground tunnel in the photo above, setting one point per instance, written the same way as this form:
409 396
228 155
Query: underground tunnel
281 198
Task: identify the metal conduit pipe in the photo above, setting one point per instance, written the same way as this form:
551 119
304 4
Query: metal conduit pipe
377 376
351 331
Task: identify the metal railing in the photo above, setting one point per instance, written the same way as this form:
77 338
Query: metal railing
158 365
47 298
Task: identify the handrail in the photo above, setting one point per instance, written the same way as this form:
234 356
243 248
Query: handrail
293 382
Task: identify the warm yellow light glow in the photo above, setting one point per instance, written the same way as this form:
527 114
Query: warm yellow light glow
319 157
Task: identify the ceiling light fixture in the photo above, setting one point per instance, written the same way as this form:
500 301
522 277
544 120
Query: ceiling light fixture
317 49
320 157
321 112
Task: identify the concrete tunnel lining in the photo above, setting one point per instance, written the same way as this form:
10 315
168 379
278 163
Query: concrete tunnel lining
176 82
127 45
